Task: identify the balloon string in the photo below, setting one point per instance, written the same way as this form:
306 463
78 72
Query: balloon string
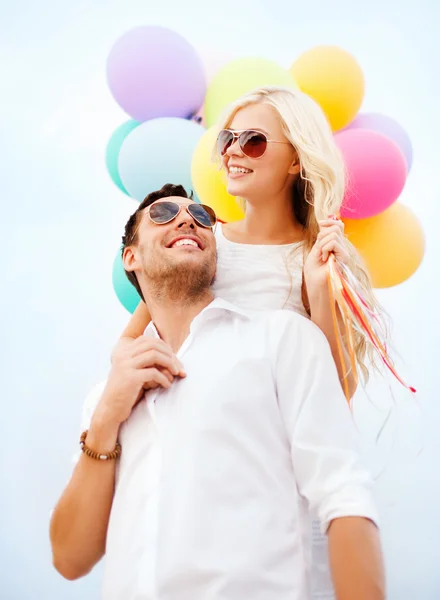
380 347
355 313
337 331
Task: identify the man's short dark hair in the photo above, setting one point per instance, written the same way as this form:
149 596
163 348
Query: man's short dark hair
130 234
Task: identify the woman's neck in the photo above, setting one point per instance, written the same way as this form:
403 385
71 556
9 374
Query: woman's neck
267 223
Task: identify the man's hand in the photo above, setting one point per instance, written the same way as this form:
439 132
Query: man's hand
144 364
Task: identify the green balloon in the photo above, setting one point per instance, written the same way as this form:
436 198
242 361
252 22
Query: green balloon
125 290
239 77
112 151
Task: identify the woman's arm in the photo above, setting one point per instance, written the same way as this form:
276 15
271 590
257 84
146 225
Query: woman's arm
138 322
316 291
135 328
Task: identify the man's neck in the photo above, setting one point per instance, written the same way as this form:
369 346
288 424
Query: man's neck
173 318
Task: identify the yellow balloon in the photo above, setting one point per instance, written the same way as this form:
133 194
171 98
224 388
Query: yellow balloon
239 77
392 244
209 184
334 79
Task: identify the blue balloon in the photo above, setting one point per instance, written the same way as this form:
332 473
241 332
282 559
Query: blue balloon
125 290
112 151
158 152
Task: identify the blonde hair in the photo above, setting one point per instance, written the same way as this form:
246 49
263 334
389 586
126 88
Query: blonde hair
319 190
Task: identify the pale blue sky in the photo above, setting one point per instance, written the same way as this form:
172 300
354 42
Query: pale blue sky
61 221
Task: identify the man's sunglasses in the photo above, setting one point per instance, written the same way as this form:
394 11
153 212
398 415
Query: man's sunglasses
164 212
252 143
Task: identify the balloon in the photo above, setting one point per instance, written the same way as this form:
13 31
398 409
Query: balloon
239 77
334 79
208 181
392 244
199 117
125 290
112 151
213 62
154 72
388 127
376 171
158 152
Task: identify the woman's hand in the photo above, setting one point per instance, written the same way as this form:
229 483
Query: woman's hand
330 239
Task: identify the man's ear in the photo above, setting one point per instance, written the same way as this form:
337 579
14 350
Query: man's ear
129 259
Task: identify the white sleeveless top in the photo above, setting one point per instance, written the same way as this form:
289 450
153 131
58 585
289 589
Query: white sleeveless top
259 277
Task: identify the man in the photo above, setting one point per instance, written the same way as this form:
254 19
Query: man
243 427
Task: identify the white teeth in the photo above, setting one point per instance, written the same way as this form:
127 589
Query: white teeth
239 170
185 242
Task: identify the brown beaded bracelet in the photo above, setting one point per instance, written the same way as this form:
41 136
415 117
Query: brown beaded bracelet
96 455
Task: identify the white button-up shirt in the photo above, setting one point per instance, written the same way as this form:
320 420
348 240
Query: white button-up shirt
217 472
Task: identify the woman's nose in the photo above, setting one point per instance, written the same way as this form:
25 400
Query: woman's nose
234 148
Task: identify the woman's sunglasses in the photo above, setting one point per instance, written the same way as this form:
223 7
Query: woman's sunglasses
252 143
164 212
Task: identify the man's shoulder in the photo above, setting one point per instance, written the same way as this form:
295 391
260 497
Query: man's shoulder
267 316
277 323
282 325
283 317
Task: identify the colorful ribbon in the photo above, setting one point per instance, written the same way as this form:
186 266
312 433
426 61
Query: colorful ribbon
355 315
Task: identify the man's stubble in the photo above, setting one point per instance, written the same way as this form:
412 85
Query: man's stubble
179 281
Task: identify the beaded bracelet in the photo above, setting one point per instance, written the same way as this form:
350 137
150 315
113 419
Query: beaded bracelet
96 455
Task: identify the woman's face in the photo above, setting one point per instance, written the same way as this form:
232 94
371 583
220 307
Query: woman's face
272 173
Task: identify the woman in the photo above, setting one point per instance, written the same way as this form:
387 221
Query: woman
280 159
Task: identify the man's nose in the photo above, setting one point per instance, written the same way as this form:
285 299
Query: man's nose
188 222
185 218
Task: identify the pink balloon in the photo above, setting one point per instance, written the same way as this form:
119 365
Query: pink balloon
388 127
376 172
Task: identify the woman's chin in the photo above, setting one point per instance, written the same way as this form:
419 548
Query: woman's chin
237 188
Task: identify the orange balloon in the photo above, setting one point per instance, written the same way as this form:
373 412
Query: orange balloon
392 244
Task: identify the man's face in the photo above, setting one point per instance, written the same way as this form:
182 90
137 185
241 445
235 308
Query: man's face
175 258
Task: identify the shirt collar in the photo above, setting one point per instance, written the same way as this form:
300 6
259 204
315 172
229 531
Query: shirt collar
215 308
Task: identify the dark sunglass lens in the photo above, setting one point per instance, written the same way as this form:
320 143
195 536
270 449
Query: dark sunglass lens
163 212
224 140
253 143
204 215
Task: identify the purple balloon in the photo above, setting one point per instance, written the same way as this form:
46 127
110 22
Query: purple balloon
154 72
388 127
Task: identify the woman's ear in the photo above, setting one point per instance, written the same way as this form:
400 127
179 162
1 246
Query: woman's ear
295 167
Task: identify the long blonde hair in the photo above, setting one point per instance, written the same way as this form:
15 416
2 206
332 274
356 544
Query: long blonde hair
319 190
